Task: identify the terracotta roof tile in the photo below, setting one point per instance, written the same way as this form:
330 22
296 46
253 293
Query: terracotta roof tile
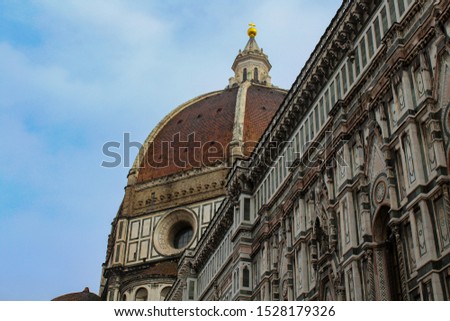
199 134
262 104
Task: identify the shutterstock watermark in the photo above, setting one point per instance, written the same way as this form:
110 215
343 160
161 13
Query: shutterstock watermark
190 152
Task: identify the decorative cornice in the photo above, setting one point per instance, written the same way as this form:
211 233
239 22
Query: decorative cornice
196 172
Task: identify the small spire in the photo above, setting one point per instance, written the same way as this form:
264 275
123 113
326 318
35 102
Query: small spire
252 30
251 64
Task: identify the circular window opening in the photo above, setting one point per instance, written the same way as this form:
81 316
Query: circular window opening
182 237
175 232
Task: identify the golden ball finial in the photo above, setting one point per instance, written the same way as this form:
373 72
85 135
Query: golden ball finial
252 30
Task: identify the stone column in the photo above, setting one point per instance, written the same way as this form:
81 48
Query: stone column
333 238
357 282
370 275
438 290
416 154
428 230
290 292
330 184
304 266
407 90
288 231
426 75
364 209
342 231
312 271
412 219
391 180
311 213
267 291
302 210
265 257
274 252
352 220
401 263
437 141
347 159
446 202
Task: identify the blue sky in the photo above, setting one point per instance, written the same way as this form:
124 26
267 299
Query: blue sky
75 74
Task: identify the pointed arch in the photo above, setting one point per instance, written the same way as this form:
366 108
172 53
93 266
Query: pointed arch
246 277
387 269
380 224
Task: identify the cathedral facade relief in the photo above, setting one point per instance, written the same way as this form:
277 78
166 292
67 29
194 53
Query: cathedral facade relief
342 195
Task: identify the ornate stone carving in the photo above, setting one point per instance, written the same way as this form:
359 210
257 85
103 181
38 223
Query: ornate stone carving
380 191
381 277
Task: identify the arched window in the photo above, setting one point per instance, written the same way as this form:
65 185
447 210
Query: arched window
141 294
124 297
246 277
244 74
164 293
255 74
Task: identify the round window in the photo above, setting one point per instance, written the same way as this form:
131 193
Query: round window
175 232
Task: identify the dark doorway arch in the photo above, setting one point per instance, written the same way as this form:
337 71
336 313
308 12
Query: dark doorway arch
387 272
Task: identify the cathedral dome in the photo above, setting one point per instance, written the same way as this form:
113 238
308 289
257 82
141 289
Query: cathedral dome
178 180
203 131
85 295
215 128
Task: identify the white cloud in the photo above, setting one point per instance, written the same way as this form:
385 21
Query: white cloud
113 22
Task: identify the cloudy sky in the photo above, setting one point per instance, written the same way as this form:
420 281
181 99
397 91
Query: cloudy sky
75 74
